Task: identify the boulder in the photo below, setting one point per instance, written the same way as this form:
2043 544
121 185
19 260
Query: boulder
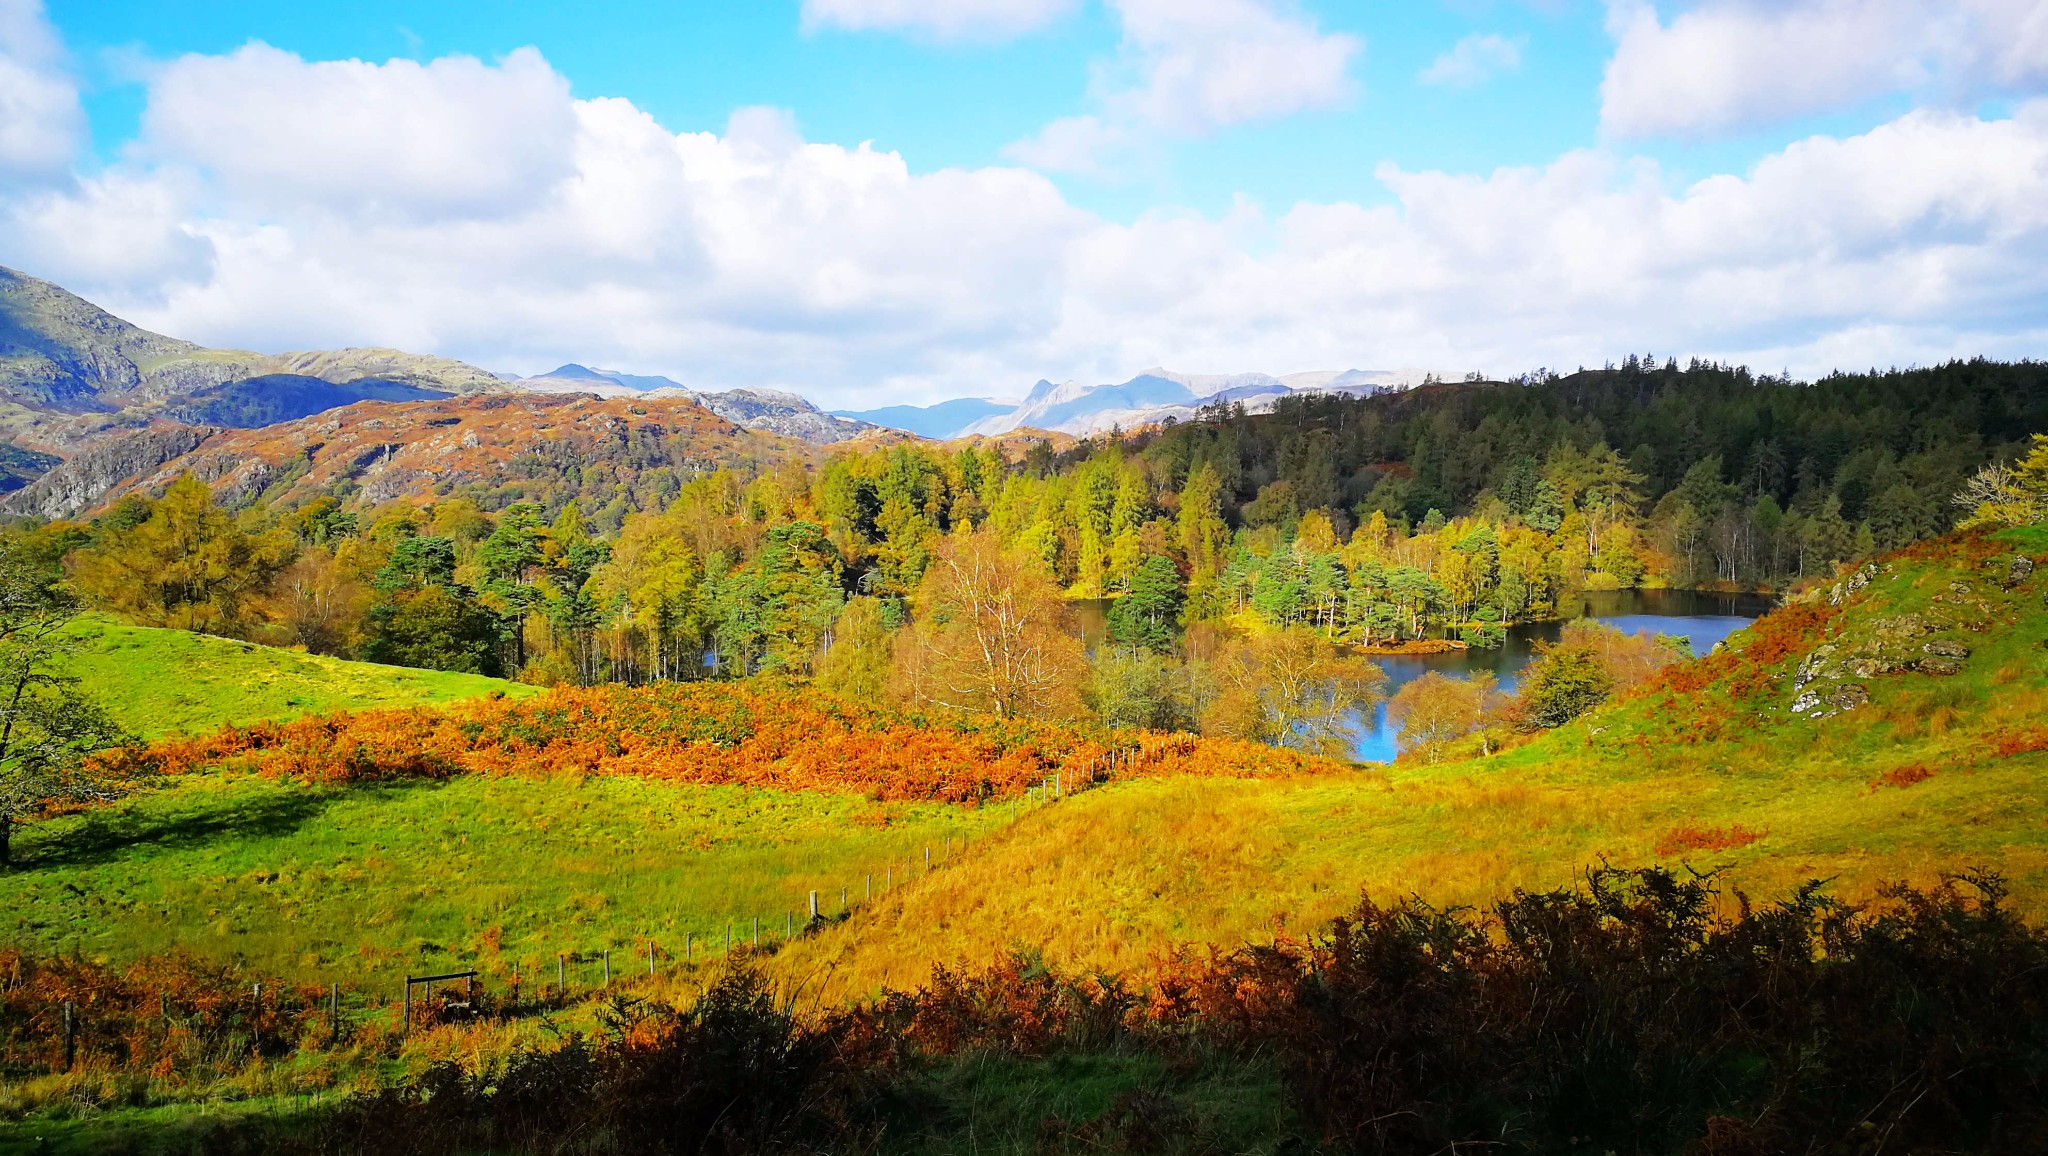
1937 665
1949 649
1849 696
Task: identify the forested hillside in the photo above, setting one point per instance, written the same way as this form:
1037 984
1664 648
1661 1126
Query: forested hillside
583 540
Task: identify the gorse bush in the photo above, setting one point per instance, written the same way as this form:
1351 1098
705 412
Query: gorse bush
760 733
1628 1016
735 1072
172 1017
1643 1011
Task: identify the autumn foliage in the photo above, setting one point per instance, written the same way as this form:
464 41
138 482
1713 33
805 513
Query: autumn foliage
167 1016
759 733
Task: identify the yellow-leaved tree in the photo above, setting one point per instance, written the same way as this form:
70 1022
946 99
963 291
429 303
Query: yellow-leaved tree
181 561
1291 688
991 633
2001 495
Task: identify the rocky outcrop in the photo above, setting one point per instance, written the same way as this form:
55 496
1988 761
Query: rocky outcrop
101 471
60 351
342 366
782 413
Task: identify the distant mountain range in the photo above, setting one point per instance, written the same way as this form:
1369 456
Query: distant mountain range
947 419
1151 397
770 410
91 404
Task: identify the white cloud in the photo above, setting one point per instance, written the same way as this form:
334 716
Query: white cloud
1190 67
943 19
455 136
1729 64
40 118
1081 144
1474 60
752 256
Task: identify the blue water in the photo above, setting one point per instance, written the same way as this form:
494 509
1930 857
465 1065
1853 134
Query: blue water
1701 619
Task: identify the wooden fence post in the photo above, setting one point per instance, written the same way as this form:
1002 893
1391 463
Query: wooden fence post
607 967
408 1005
333 1014
561 974
650 956
814 907
757 931
70 1035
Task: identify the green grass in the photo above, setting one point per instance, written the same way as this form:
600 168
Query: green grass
157 682
361 885
981 1103
1116 876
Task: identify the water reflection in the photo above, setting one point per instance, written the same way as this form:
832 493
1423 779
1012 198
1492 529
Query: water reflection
1702 619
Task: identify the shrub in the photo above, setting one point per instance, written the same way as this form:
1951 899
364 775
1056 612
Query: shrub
761 733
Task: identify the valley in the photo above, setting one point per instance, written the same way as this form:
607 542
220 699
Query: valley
1035 783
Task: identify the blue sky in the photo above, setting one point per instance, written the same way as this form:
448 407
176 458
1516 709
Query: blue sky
940 103
958 103
1054 187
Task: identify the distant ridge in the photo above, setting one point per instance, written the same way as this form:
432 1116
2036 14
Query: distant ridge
1157 394
945 420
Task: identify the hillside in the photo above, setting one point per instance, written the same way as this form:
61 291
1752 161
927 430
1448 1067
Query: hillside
1921 770
1895 735
159 682
76 380
509 443
1887 729
62 356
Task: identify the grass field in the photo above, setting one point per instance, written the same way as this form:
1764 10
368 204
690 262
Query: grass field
158 682
377 880
362 885
1934 773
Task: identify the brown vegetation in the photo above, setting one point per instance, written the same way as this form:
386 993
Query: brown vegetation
759 734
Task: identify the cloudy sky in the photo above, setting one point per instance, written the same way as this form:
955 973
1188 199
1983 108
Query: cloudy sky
873 201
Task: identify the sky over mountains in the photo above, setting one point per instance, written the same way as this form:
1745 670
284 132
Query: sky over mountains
878 202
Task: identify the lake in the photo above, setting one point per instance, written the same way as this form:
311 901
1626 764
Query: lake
1702 619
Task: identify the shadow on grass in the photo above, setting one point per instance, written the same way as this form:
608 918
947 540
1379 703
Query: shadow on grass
105 836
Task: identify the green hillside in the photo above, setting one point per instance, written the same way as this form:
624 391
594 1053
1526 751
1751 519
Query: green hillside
1917 747
160 682
363 886
1940 765
1928 771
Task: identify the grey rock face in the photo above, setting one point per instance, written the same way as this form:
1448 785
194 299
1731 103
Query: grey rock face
772 411
81 482
1849 696
2022 569
1945 648
59 351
